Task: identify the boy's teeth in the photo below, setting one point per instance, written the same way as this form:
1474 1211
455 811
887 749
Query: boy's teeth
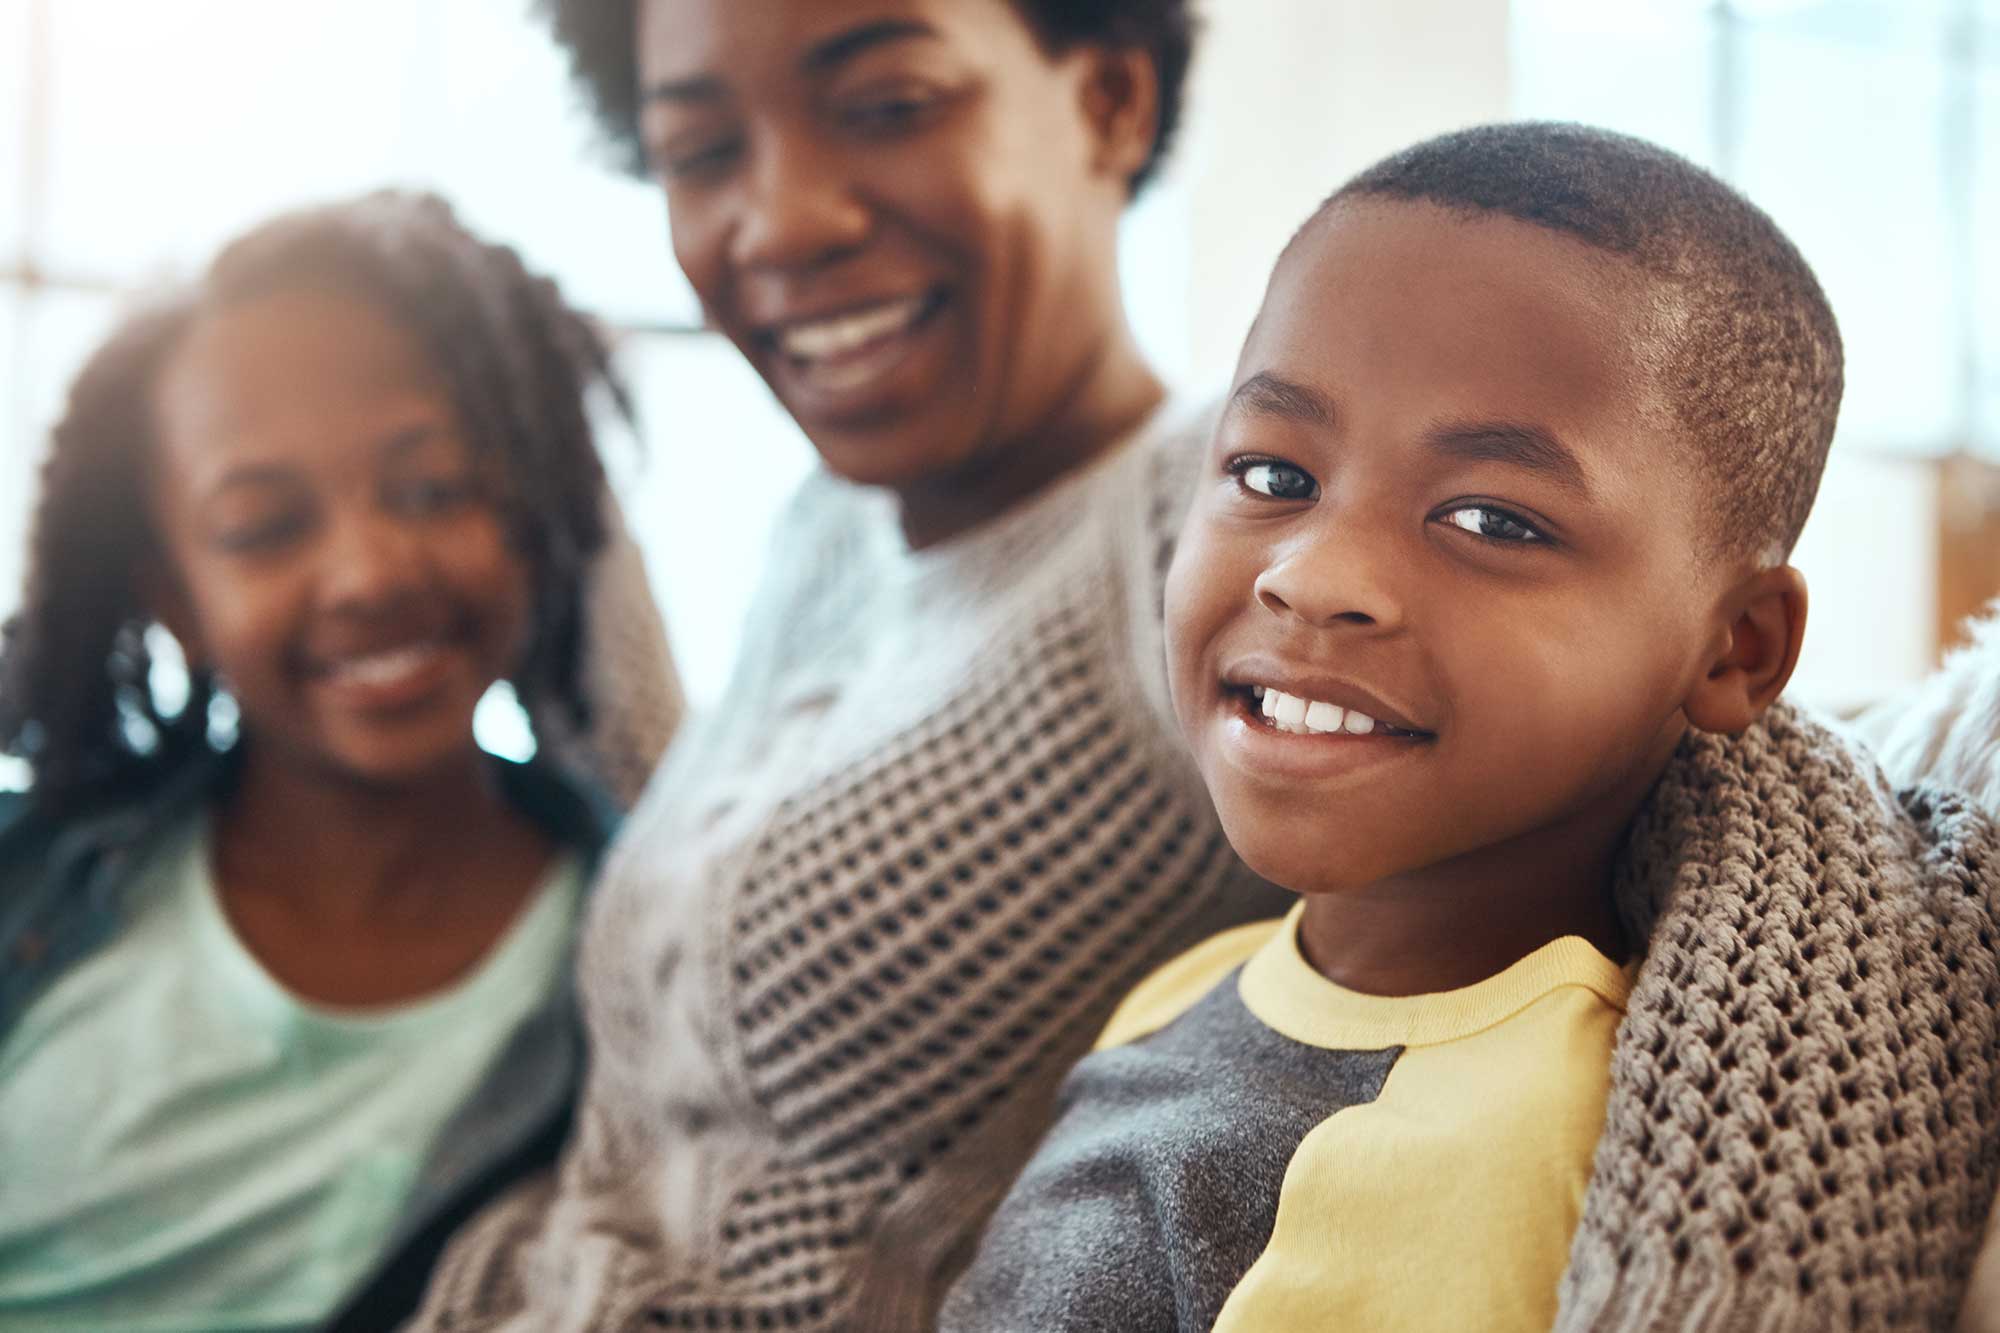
824 338
1288 712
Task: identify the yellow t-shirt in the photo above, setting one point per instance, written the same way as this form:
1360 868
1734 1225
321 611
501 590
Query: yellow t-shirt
1253 1147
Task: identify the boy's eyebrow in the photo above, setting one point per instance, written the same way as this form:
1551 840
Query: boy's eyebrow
1269 395
1519 443
821 57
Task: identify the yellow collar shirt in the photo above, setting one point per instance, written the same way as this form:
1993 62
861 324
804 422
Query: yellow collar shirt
1253 1147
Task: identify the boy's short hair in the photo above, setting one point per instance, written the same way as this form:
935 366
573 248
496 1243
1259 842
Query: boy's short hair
597 34
1751 362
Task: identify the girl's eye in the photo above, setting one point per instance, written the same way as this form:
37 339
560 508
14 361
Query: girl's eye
263 533
1279 481
434 495
1493 524
256 538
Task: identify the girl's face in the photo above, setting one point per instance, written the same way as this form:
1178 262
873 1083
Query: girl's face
335 550
903 212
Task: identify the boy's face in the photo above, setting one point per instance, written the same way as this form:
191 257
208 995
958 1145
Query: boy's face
1439 500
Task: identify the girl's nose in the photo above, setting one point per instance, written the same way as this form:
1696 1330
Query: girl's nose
369 560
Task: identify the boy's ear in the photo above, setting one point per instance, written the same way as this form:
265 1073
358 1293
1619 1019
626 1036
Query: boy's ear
1767 627
1121 100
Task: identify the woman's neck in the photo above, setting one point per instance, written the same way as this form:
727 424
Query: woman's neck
1104 402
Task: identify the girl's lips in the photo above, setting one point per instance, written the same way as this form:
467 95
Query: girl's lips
386 681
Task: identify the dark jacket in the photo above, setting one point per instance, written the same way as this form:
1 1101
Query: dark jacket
63 887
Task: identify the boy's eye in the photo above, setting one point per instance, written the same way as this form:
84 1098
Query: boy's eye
1493 524
1278 480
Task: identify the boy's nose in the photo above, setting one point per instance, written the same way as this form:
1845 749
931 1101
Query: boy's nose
1332 576
798 209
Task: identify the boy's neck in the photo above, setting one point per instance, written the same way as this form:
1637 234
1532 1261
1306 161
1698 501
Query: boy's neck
1461 921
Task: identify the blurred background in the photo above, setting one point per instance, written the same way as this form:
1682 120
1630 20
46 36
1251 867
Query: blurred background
136 136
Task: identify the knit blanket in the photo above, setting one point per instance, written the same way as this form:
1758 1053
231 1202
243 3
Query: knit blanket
1804 1123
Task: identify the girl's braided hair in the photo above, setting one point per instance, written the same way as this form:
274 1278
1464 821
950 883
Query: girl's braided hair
520 365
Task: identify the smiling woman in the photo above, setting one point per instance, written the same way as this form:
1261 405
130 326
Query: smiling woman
881 897
905 217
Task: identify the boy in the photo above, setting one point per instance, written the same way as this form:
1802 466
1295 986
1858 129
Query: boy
1609 980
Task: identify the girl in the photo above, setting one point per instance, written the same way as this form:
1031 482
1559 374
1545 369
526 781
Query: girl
273 1009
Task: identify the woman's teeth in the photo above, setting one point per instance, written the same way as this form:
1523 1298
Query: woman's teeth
826 339
1310 717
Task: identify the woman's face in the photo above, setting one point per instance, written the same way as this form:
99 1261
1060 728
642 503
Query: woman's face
335 550
903 212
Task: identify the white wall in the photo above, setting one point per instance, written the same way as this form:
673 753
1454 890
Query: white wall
1291 97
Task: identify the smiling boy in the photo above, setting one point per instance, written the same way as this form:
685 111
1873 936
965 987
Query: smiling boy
1608 977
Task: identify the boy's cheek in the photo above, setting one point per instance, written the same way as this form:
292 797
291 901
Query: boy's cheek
1206 587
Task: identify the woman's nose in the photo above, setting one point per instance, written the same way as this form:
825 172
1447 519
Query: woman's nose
799 209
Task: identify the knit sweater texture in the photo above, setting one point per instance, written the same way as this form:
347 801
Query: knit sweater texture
1804 1123
870 911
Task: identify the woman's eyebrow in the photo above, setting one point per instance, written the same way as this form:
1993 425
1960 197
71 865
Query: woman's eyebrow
836 50
694 88
821 57
1518 443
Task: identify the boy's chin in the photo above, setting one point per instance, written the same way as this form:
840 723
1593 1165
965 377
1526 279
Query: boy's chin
1312 867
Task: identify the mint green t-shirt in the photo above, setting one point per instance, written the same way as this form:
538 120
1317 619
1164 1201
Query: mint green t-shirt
185 1145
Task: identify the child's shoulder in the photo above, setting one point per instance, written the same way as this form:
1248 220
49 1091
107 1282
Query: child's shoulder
1173 988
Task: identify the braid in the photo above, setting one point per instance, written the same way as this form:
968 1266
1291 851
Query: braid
74 695
519 364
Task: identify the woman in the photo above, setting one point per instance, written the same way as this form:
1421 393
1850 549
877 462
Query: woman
880 899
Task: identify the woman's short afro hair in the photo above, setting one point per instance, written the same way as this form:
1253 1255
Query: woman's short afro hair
598 35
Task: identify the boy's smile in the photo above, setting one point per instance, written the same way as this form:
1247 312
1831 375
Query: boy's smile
1440 598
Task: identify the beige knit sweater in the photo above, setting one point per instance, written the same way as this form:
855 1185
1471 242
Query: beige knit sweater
865 918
